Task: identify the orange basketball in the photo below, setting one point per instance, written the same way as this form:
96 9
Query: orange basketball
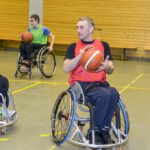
27 36
91 59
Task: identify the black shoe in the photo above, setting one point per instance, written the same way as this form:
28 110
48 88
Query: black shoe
98 139
106 136
26 62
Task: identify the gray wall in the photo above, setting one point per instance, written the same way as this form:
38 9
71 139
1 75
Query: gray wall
36 7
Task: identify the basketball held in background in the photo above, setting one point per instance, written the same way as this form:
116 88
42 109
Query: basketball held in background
91 59
27 36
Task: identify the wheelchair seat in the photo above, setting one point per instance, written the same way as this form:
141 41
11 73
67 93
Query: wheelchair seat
8 114
72 117
41 58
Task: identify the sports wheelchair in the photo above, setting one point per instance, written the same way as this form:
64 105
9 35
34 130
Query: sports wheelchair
43 59
8 113
66 124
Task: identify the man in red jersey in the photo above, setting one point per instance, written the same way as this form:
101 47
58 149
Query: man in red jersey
95 86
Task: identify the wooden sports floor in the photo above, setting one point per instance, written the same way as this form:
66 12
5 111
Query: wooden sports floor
34 99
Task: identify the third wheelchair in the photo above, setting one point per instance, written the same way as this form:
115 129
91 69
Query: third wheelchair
8 113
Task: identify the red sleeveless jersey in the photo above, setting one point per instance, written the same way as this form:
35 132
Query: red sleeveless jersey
79 74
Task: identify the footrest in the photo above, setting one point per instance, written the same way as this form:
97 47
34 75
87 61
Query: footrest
82 119
11 112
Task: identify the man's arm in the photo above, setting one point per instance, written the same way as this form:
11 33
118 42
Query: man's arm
107 65
70 64
51 39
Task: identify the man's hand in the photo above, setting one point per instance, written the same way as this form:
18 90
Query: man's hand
85 49
21 36
105 66
50 48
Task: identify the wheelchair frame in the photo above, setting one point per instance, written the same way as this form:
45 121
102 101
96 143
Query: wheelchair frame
39 59
11 115
71 131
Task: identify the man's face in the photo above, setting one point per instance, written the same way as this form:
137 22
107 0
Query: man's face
84 30
33 22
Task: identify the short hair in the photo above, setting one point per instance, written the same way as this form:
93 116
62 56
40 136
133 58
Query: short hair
89 20
36 17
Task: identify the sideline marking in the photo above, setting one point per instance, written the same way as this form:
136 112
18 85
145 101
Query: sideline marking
45 82
3 139
48 134
65 83
25 88
52 147
134 88
44 135
139 88
129 85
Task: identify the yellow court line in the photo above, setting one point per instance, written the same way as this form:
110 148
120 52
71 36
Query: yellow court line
138 77
28 81
129 85
134 88
3 139
45 82
52 147
65 83
55 83
25 88
44 135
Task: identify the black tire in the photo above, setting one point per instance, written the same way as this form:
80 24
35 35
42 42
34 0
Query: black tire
16 74
121 120
46 62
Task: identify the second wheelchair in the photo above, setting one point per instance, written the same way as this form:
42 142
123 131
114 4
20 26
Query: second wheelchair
43 59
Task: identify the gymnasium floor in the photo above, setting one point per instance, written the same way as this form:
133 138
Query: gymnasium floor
34 100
